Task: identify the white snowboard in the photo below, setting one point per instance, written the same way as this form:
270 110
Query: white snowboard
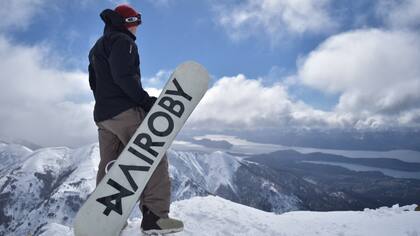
108 207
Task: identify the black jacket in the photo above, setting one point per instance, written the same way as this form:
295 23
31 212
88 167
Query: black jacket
114 71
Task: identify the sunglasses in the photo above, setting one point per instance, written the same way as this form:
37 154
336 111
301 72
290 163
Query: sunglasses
134 19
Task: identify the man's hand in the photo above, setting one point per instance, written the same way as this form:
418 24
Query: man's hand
149 103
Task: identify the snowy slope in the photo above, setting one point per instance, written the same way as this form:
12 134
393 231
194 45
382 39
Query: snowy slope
48 186
210 171
231 177
10 155
209 216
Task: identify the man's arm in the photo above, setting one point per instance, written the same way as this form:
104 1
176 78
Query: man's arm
92 77
123 69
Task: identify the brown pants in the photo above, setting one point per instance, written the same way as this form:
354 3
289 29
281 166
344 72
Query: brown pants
114 134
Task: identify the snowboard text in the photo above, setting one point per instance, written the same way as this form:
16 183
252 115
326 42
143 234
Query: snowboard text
172 103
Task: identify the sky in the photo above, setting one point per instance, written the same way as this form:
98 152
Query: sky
274 64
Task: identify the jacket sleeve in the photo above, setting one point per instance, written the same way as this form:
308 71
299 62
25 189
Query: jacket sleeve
92 77
122 62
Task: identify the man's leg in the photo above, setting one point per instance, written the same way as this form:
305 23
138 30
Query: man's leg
109 149
157 193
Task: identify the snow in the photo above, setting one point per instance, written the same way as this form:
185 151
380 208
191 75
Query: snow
10 155
210 216
221 168
47 186
55 229
213 170
46 158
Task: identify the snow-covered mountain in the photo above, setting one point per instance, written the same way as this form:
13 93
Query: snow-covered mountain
41 190
209 216
233 178
10 155
50 184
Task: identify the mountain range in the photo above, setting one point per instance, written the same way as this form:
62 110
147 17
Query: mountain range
48 185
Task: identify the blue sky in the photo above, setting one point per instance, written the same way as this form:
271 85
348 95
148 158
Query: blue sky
171 33
302 64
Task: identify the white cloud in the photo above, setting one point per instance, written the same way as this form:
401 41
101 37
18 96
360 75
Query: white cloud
376 73
117 2
158 79
154 83
238 101
44 105
274 18
153 91
161 3
241 103
17 14
401 13
38 102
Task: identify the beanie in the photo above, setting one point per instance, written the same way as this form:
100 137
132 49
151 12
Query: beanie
130 15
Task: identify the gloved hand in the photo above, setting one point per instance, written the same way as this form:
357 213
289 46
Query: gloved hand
149 103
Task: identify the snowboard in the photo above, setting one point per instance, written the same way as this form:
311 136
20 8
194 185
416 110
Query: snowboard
108 207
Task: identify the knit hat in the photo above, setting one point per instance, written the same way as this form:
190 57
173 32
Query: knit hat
130 15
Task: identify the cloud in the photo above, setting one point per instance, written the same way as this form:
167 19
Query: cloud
154 84
39 103
46 105
401 13
18 14
274 18
158 79
241 103
161 3
117 2
374 71
153 91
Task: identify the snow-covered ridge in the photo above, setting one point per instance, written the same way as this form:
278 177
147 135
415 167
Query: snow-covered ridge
47 185
209 216
10 155
213 170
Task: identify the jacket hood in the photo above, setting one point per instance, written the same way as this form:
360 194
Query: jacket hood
114 22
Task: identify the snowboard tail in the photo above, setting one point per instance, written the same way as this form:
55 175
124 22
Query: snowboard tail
109 206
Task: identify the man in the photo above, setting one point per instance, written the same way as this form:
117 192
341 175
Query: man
120 107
